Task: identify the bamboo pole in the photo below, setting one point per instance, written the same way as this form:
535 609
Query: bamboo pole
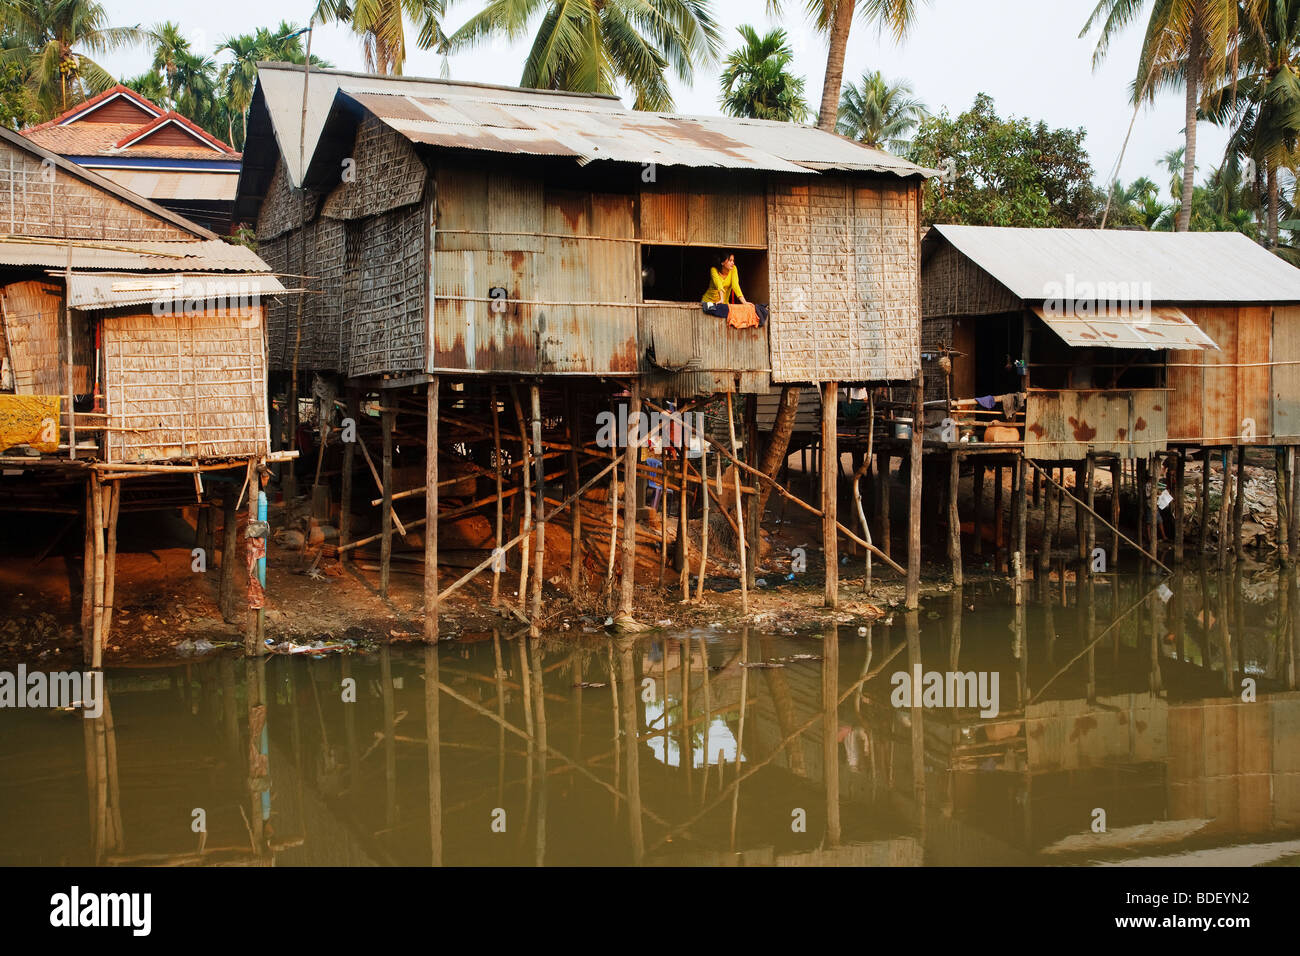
386 520
575 526
500 501
913 588
114 492
830 492
704 557
1090 541
431 563
954 517
349 464
631 455
1180 529
97 644
740 525
1238 501
540 483
1033 464
683 531
526 497
1224 512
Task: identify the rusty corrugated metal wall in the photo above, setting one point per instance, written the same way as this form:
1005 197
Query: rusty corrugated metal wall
1214 393
1286 377
1067 424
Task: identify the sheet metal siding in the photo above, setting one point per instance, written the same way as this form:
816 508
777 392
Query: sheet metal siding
197 255
1184 267
1286 377
1213 398
1158 329
1065 425
710 355
843 260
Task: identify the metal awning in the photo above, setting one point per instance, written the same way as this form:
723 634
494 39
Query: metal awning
112 291
1154 328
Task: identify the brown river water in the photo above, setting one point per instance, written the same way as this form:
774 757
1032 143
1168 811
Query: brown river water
1134 724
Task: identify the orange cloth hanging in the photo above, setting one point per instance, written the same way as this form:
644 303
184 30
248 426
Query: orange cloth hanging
742 316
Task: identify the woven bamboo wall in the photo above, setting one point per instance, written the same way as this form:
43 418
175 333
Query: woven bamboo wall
283 209
844 260
385 174
41 200
952 285
388 320
185 385
34 325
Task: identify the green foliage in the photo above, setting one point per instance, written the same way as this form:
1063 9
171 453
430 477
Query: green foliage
757 82
879 113
1008 172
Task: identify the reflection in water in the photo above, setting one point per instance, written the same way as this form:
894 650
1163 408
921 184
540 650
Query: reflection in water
1171 706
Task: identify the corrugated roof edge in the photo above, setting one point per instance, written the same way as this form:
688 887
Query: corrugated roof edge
107 185
373 77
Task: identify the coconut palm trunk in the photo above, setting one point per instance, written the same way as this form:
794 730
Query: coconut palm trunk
839 44
1194 56
778 445
1273 197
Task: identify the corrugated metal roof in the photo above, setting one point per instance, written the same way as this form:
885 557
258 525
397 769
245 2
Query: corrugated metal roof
1121 265
109 291
208 255
1159 327
584 127
156 185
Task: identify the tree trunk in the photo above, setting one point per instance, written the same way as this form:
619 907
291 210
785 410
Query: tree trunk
1272 205
1194 48
839 43
778 446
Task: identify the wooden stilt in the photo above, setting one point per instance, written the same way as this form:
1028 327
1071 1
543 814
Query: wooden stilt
704 534
1238 502
1116 486
830 491
1282 482
1143 479
386 521
1153 510
683 533
1080 530
884 502
1293 515
954 517
1180 530
539 480
114 492
97 645
88 578
1050 499
977 496
999 516
912 590
571 414
1022 507
526 522
349 464
431 544
613 513
497 466
1090 524
1204 530
663 510
740 512
1224 502
631 455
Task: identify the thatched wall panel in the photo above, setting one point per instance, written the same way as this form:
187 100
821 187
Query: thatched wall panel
953 286
185 385
385 174
41 200
283 208
388 324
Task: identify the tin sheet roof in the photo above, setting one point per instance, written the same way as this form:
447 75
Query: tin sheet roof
1122 265
114 290
1155 328
209 255
582 126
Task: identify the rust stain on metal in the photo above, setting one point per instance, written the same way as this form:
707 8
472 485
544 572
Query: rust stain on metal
1037 429
1157 408
1123 433
1140 425
1083 432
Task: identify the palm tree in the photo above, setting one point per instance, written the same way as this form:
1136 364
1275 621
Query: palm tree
238 77
1174 162
878 113
379 24
1188 43
1260 104
149 85
169 44
835 19
54 43
592 46
756 81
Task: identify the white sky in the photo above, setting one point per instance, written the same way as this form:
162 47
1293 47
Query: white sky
1025 53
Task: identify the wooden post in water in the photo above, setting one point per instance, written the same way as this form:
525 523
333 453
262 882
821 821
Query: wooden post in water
97 617
431 550
497 467
88 577
1223 511
830 492
954 517
683 525
830 732
977 495
631 454
349 462
527 525
1022 508
1238 502
1116 484
114 491
1153 510
912 592
740 512
1180 530
571 413
1090 523
1050 495
999 515
1293 515
387 417
539 464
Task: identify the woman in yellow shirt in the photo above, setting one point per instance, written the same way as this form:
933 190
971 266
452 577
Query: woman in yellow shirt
724 281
